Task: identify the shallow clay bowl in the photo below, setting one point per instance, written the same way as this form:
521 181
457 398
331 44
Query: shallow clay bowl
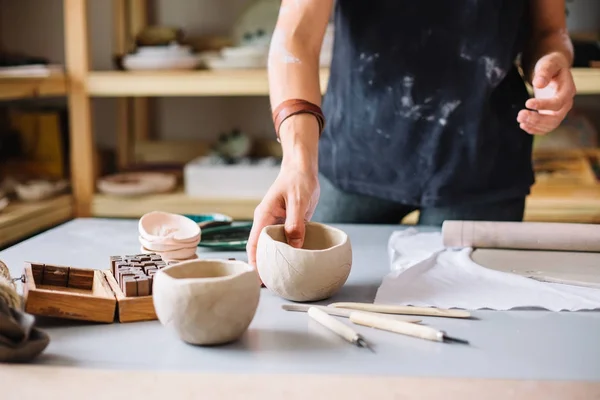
167 228
311 273
160 246
206 302
181 254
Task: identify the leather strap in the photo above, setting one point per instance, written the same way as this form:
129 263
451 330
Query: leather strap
297 106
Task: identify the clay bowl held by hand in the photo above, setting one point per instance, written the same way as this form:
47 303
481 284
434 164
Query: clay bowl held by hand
206 302
311 273
167 228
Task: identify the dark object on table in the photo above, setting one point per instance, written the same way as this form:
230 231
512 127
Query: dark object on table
20 340
226 238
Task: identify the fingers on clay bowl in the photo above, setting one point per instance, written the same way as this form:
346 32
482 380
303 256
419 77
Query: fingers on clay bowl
167 228
314 272
206 302
137 183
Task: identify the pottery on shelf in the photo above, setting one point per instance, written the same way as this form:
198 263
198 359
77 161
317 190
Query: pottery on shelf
3 202
314 272
173 236
39 189
137 183
206 302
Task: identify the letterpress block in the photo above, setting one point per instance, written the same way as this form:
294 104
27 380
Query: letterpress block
38 272
143 286
147 270
81 278
113 262
55 275
125 271
129 286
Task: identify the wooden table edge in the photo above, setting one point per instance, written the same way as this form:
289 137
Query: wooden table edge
49 382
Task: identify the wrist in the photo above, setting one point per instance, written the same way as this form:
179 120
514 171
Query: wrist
299 137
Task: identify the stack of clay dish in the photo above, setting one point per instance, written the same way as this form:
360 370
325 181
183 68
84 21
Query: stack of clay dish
314 272
171 57
173 236
137 183
206 302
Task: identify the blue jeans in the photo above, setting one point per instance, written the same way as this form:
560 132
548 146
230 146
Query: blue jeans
337 206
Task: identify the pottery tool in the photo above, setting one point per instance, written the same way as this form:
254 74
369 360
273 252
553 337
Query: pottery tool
342 312
522 235
408 310
338 327
402 327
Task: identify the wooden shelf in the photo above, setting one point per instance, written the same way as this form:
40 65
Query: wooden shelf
177 202
249 82
21 219
587 80
231 83
20 87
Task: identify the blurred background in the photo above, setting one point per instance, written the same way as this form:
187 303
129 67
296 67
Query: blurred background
114 108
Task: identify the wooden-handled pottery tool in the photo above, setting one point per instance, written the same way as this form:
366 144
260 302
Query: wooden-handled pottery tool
338 327
342 312
409 310
402 327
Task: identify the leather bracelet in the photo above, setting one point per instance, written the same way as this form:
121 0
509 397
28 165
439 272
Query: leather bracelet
291 107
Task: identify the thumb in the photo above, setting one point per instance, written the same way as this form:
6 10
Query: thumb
294 224
545 70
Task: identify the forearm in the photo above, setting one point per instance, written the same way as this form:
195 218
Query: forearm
548 35
544 43
294 74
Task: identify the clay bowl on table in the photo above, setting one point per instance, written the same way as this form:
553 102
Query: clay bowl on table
311 273
206 302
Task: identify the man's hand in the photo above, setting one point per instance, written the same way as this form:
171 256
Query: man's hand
554 90
291 200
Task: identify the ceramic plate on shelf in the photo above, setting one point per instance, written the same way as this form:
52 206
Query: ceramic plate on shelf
134 62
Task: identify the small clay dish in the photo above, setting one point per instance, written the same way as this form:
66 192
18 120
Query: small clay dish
167 228
180 254
314 272
206 302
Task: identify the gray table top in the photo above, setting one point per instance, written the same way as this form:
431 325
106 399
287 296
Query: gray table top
535 345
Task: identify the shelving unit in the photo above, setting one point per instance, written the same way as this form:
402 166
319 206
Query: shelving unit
14 87
20 220
231 83
133 88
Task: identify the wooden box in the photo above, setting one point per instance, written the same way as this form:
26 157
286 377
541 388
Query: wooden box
67 292
82 294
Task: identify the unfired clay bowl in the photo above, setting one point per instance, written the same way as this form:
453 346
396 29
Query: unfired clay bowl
311 273
206 302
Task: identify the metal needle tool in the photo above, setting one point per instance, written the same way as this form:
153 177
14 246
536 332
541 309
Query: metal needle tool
404 328
338 327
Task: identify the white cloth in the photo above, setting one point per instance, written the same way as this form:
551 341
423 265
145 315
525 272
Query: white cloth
425 273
